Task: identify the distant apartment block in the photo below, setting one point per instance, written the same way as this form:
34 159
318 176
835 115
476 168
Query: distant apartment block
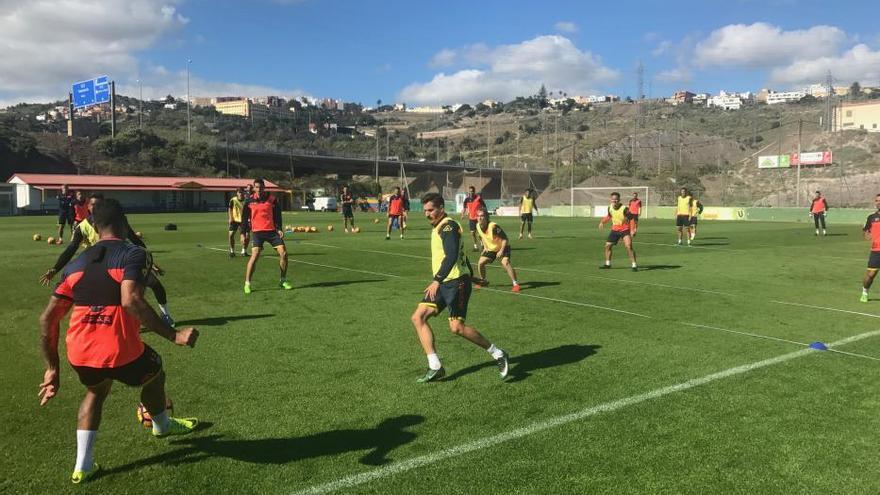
248 109
730 101
426 109
774 98
855 115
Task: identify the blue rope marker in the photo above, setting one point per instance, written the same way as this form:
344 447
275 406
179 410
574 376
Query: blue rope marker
819 346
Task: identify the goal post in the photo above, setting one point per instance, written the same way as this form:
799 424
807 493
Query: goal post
598 196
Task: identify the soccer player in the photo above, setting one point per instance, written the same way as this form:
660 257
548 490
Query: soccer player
404 216
818 209
472 204
346 199
450 288
104 286
65 211
696 210
85 234
872 233
237 222
495 245
620 218
264 212
527 206
395 212
635 207
683 204
80 208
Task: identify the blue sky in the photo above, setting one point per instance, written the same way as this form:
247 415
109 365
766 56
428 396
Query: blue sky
434 52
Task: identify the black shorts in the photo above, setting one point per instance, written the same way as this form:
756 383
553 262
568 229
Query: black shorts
472 225
682 220
526 217
693 221
65 218
347 211
133 374
270 236
233 226
874 260
493 255
616 235
634 217
454 295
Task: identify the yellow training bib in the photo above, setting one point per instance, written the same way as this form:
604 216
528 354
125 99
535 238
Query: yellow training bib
437 253
683 206
527 205
490 242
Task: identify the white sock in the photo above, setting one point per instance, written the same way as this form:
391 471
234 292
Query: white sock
434 361
161 422
864 291
634 264
231 250
85 445
607 263
494 351
515 283
163 308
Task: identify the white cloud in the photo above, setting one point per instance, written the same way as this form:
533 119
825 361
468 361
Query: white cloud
761 45
443 58
859 63
507 71
674 76
662 48
566 27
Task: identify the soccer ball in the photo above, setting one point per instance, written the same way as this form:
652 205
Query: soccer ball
37 237
375 220
313 229
143 416
138 234
50 240
356 230
329 228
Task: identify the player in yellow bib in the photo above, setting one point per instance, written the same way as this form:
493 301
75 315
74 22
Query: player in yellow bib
237 222
696 210
621 223
527 207
683 208
495 245
450 288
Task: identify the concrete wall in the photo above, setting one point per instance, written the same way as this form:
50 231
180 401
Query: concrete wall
840 216
37 201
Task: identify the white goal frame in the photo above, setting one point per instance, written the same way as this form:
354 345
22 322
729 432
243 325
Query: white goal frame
620 189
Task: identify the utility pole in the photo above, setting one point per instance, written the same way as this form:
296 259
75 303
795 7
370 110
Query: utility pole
556 140
680 146
188 127
113 109
141 108
488 142
659 149
227 156
829 106
377 158
798 192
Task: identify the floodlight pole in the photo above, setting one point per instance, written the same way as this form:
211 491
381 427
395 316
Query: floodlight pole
141 107
112 109
188 129
798 192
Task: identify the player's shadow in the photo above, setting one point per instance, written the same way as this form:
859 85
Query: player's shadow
537 285
377 443
647 268
715 238
836 235
522 366
221 320
337 283
699 244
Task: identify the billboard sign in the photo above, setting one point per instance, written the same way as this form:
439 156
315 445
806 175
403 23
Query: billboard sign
774 161
813 158
91 92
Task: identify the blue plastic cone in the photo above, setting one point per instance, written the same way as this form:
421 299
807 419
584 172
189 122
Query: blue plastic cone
819 346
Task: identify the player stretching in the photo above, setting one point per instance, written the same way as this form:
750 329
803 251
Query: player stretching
620 223
818 209
264 213
450 288
347 201
683 205
86 235
696 210
65 211
527 206
495 245
104 286
237 222
472 204
635 207
395 212
872 233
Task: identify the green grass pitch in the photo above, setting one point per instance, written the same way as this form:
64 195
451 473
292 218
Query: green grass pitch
313 390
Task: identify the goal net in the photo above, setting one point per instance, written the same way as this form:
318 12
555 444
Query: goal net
594 201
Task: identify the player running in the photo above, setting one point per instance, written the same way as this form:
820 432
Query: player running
104 286
237 222
683 204
264 213
528 205
872 233
346 199
86 235
818 210
635 208
696 211
65 211
495 245
450 288
472 204
620 218
395 213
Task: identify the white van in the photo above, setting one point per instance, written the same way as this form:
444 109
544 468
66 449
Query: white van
325 203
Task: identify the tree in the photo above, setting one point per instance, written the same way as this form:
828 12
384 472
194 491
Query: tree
855 90
542 97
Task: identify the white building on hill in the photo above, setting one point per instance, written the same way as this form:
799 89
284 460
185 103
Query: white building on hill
774 97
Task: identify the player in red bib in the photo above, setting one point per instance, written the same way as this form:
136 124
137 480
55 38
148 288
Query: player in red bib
80 208
818 209
872 233
264 214
635 207
395 213
104 286
473 203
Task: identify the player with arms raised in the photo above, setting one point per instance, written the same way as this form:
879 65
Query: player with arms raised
451 288
620 218
872 233
264 213
104 286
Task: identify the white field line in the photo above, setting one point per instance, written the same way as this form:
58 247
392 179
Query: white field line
823 308
748 334
540 426
323 266
563 301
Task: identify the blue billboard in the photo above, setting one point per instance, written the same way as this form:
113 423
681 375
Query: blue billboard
91 92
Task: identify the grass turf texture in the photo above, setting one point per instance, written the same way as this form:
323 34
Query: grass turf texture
303 387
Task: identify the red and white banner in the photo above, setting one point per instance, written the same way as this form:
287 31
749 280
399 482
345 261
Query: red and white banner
813 158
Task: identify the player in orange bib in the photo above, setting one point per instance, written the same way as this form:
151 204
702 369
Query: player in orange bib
620 218
872 233
818 210
635 208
